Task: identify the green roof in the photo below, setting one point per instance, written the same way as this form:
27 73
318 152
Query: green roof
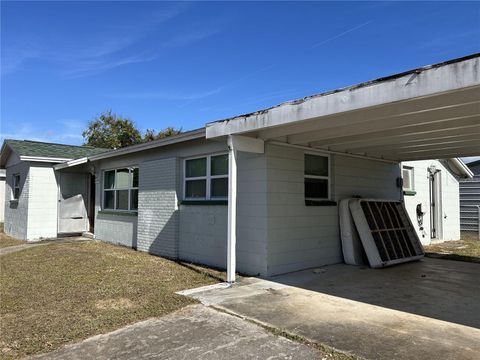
51 150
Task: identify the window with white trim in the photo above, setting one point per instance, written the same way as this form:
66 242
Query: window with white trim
16 186
408 180
206 178
120 189
317 177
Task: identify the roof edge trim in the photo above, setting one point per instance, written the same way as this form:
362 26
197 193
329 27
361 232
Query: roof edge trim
186 136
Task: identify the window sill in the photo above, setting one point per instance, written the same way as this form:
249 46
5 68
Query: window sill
119 213
409 193
204 202
320 203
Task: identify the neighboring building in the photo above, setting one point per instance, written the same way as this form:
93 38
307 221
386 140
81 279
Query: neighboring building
470 202
271 179
32 197
2 194
431 192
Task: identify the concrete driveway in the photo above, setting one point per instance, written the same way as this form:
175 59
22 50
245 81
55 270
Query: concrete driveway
195 332
428 309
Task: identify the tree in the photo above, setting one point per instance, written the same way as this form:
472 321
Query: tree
150 134
111 131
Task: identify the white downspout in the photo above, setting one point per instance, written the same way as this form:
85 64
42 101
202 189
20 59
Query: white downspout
232 210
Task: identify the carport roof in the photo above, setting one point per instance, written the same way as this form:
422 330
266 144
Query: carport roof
427 113
35 150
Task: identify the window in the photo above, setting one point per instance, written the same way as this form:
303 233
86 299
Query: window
206 178
120 189
16 186
407 175
317 182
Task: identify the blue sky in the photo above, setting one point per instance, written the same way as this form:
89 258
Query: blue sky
185 64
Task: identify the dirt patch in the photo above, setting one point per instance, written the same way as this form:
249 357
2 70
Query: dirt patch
467 249
114 304
7 241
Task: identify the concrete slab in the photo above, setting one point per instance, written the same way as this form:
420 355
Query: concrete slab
428 309
195 332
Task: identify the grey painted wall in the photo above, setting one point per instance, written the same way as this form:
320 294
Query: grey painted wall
157 207
16 212
276 231
2 198
252 214
116 229
203 234
164 227
301 236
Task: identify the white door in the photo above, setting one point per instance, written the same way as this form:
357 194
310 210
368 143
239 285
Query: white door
435 205
73 203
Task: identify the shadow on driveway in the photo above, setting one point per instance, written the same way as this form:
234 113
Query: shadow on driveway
427 309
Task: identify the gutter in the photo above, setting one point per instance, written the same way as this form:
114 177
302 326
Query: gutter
44 159
460 165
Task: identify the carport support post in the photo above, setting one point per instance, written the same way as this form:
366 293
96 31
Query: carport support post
232 210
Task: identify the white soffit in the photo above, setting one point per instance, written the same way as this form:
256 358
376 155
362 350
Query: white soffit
432 112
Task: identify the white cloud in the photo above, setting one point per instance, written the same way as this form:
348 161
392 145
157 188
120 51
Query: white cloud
341 34
115 47
189 38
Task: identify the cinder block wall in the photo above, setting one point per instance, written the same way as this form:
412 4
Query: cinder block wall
42 199
120 229
157 207
16 213
300 236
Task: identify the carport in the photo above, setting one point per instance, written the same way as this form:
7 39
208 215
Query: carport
423 310
431 112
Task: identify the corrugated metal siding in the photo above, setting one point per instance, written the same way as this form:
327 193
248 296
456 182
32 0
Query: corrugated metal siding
470 205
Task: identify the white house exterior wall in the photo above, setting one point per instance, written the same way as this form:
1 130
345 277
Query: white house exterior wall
450 204
42 202
301 236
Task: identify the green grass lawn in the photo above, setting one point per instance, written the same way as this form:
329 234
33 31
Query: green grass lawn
467 249
61 293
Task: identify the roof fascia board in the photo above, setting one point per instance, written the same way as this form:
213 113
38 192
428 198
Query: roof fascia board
70 163
43 159
460 165
420 83
191 135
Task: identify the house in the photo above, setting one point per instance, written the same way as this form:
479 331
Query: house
432 200
470 202
32 196
2 194
259 193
